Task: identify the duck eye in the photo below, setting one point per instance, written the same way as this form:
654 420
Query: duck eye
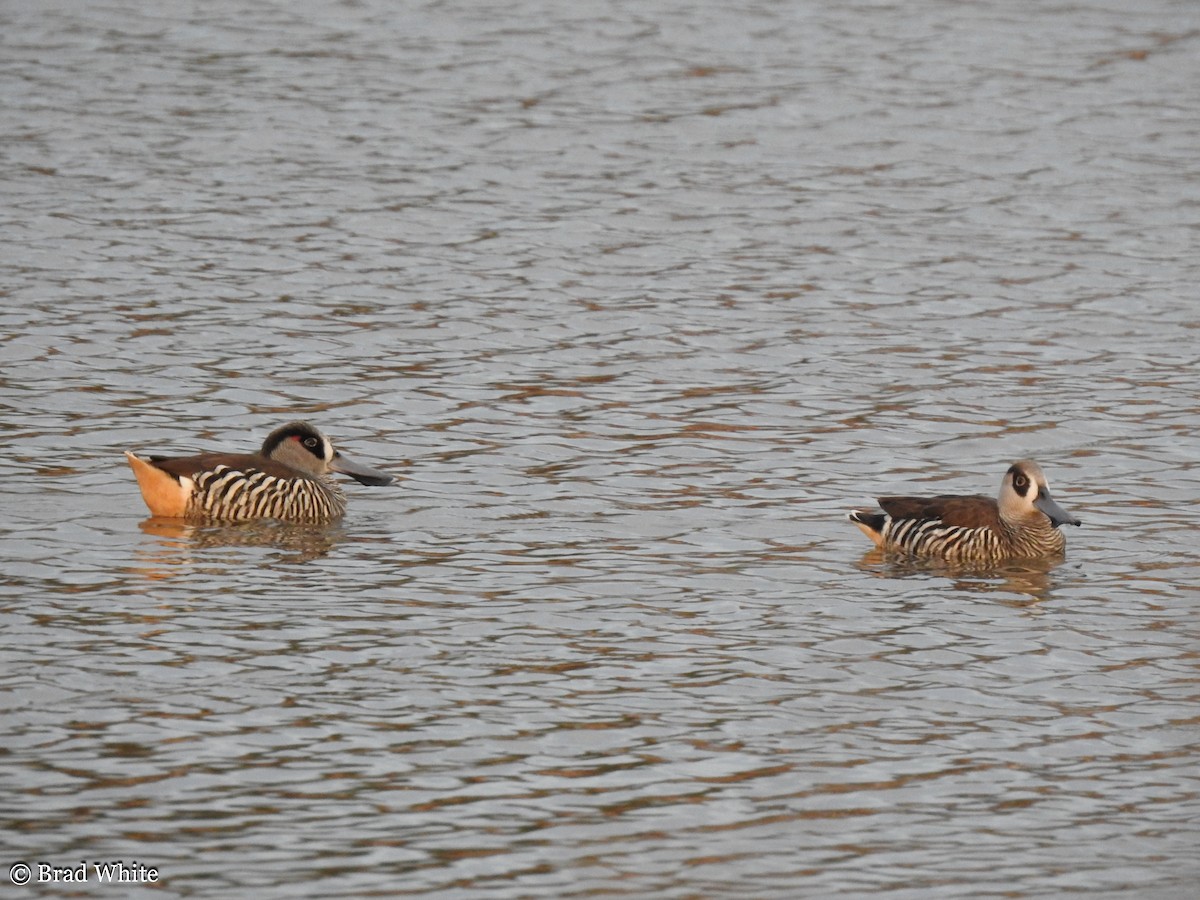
1020 482
310 442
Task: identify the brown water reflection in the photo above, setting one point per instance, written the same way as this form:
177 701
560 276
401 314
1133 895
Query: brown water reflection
649 296
182 543
1030 580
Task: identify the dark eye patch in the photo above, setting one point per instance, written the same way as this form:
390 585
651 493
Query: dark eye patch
1021 483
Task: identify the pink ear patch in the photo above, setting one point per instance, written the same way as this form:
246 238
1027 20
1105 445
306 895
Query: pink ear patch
294 437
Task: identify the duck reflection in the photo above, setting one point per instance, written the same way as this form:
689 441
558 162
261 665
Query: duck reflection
1030 579
179 540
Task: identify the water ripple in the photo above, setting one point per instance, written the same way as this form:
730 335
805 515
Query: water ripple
637 303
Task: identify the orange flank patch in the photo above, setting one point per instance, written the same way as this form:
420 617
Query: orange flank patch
163 493
870 532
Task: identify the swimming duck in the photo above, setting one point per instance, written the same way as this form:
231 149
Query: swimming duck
1022 524
288 479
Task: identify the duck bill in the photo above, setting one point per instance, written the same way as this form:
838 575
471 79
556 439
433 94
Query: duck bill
1057 514
360 473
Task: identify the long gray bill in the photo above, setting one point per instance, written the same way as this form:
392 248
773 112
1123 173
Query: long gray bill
359 472
1057 514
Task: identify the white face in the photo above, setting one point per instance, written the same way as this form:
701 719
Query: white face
1025 492
320 446
1023 483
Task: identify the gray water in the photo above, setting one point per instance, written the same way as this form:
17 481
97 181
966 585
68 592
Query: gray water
638 299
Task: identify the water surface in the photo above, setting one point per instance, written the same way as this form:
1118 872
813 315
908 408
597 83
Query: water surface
638 302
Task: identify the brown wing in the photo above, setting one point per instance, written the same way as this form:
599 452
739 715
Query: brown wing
191 466
965 512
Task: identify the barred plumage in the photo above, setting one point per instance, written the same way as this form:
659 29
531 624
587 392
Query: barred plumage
288 479
234 495
1022 524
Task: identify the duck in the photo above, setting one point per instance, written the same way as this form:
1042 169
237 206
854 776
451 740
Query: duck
1023 523
289 479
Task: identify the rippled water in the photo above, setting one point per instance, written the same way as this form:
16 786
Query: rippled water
638 300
